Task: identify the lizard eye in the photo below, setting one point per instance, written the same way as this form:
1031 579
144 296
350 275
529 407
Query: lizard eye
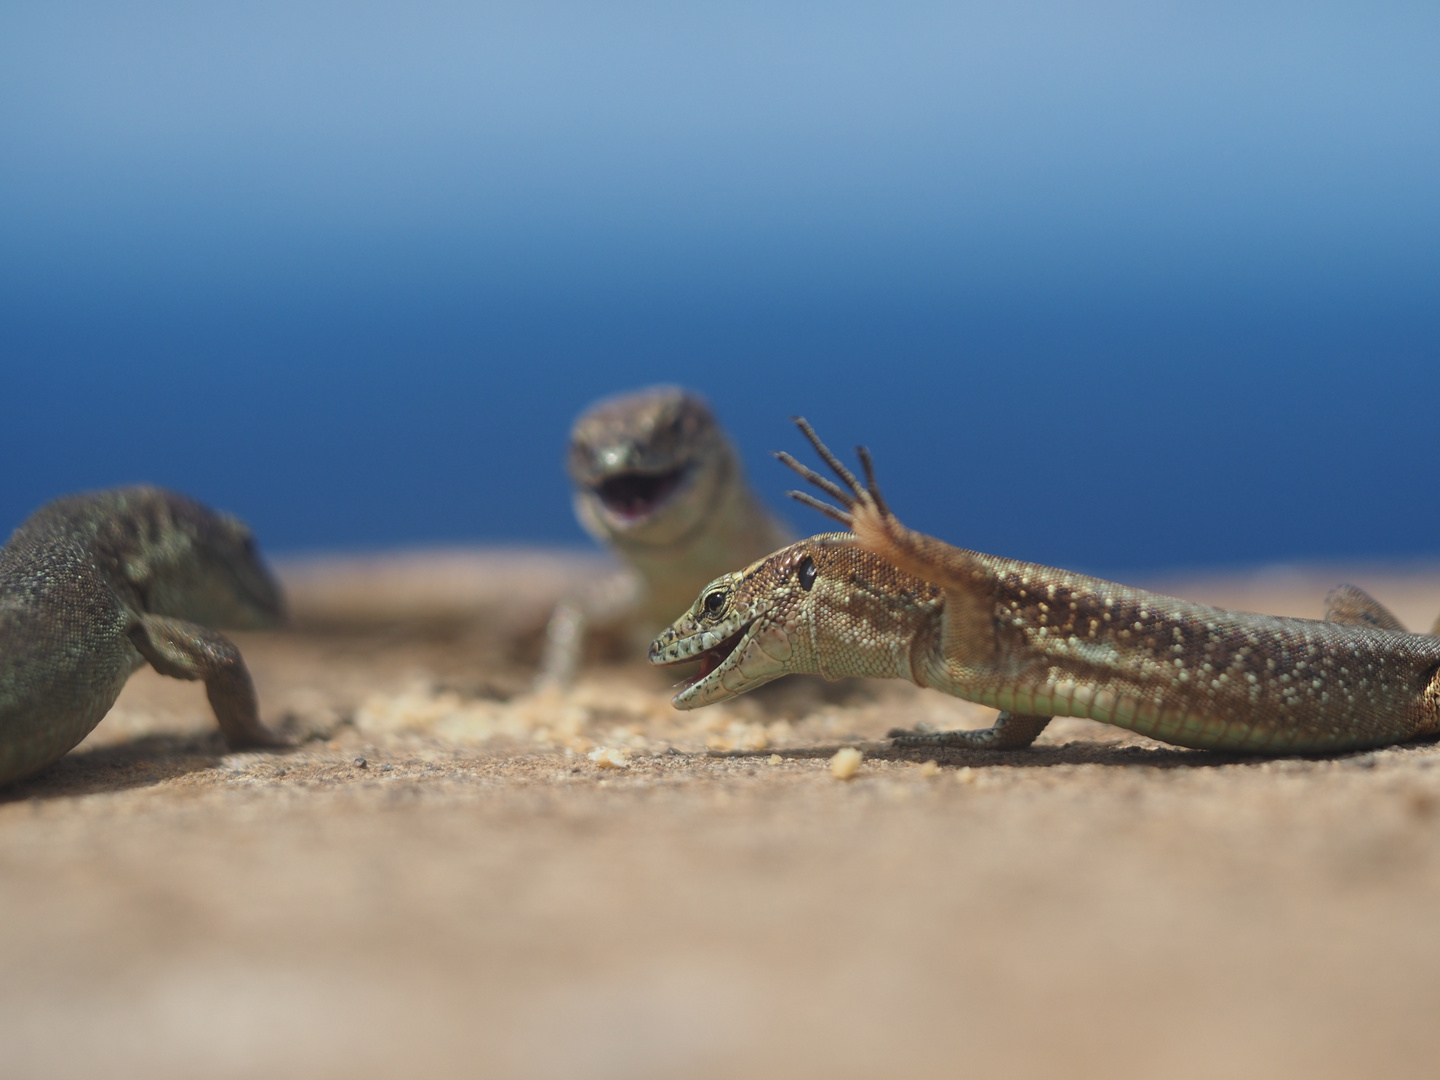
714 602
806 573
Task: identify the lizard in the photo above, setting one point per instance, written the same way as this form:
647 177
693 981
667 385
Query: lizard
96 585
1036 642
657 481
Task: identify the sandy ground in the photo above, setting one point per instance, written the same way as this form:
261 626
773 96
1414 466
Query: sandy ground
453 878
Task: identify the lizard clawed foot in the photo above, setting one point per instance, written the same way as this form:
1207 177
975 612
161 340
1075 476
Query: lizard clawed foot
861 505
864 512
1010 732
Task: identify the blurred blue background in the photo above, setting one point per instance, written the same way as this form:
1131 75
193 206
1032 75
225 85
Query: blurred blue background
1115 286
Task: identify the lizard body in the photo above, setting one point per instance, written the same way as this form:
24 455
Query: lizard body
657 481
1037 642
94 586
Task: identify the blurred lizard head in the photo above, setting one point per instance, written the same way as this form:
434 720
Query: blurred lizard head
648 467
187 561
753 626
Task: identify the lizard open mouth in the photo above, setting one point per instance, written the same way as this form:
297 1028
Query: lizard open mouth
734 659
634 495
711 659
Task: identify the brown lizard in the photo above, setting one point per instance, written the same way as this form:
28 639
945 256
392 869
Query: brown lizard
1036 642
657 481
94 586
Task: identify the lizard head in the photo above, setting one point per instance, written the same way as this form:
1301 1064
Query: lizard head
647 467
753 626
188 561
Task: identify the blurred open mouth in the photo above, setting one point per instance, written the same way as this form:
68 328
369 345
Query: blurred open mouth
632 496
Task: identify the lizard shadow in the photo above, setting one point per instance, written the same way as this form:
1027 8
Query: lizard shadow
140 762
1050 756
1071 753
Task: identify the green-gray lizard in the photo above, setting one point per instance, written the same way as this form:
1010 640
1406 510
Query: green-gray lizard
657 481
93 586
1037 642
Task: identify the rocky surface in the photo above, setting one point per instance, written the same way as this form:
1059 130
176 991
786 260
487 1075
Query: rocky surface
452 877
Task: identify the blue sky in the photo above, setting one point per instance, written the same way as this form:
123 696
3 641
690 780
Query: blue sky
1118 286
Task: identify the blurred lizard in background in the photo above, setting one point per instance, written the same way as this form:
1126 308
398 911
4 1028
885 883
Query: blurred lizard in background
656 481
94 586
1035 642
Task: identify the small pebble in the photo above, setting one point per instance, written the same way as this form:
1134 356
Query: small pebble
846 763
776 759
607 758
361 763
386 768
930 768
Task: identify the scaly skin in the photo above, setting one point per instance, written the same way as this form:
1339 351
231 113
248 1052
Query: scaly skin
657 481
1037 642
94 586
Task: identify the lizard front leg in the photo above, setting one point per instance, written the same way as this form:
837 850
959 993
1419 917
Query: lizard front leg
877 530
185 650
1009 732
969 614
607 605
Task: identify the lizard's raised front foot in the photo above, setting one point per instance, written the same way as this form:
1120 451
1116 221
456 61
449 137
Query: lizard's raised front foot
1009 732
860 504
862 508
